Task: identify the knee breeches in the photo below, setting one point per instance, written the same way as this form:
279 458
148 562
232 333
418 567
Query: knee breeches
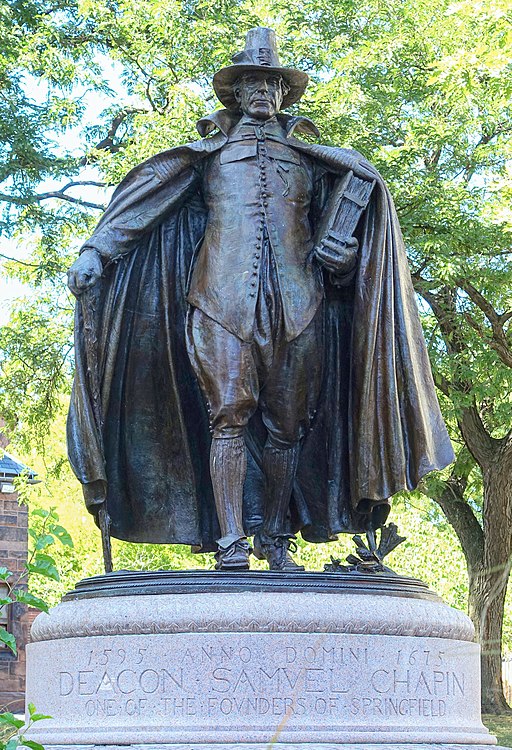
280 377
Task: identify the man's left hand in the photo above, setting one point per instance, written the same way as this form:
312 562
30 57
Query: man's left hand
338 257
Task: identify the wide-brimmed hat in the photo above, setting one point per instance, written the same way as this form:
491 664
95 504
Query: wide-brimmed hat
260 54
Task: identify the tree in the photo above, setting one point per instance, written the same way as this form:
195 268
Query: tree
450 158
46 54
421 88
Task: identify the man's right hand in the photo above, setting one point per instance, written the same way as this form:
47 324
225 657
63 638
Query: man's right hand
85 272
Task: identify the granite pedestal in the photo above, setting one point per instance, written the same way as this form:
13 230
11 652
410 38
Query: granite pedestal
179 661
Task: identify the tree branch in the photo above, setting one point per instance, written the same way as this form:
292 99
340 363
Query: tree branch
21 262
443 307
485 138
59 194
442 383
432 160
499 340
459 513
62 195
478 440
107 143
480 444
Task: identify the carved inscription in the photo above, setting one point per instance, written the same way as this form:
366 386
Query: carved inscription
221 677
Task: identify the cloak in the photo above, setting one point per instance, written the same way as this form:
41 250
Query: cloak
138 430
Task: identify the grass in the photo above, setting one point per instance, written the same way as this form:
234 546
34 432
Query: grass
501 726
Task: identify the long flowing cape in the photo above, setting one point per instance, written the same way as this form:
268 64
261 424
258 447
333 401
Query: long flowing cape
138 431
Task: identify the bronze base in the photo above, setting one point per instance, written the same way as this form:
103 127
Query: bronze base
138 582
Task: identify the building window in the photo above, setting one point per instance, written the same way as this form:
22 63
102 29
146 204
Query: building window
5 613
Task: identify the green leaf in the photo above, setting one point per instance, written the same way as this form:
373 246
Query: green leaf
34 716
5 574
10 719
44 565
9 641
43 569
44 541
43 557
32 745
62 535
30 599
12 744
40 512
39 717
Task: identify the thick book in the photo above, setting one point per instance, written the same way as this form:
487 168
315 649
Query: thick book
347 201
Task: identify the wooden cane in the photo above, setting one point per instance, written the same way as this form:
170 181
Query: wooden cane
88 300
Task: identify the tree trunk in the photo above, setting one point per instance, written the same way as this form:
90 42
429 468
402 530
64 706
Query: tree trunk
486 602
488 582
488 552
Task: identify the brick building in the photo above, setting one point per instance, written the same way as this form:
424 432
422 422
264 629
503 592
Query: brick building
17 618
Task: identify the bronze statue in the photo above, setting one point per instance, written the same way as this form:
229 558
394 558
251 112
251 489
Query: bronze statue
249 356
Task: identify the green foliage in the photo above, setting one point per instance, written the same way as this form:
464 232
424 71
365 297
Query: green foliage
46 52
421 88
30 600
8 638
45 531
13 730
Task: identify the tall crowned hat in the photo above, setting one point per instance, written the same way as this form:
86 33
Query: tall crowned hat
260 54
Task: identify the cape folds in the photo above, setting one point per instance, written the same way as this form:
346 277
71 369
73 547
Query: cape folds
138 431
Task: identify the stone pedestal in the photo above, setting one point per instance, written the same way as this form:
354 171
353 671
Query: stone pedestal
210 660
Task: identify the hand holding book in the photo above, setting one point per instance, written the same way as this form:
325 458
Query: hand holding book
335 244
337 254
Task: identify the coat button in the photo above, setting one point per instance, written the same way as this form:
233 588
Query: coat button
252 294
255 265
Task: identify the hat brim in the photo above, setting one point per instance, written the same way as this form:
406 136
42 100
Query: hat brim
224 79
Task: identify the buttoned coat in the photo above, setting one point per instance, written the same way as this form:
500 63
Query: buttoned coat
138 431
258 183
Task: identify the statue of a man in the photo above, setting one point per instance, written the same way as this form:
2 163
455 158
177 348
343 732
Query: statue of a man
249 353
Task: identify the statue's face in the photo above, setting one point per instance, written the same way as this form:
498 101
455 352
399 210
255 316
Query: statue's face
260 95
